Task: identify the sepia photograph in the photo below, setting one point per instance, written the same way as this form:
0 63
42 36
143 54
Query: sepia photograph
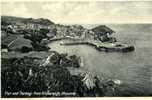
76 49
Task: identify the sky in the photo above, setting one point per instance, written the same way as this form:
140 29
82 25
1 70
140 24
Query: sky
86 12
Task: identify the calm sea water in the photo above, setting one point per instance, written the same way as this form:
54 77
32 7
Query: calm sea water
132 68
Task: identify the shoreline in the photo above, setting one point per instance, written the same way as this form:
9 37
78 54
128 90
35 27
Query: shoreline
107 47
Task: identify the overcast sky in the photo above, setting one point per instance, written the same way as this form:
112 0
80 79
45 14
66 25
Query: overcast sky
81 12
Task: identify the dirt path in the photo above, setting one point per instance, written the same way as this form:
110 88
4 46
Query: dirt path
12 41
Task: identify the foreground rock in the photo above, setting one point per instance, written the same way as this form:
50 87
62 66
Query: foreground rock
33 75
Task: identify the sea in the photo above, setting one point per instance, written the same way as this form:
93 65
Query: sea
134 69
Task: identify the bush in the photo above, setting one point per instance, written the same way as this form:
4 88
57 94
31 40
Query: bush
25 49
26 75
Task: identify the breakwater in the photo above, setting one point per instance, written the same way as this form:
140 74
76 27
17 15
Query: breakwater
98 45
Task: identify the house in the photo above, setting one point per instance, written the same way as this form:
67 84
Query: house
4 50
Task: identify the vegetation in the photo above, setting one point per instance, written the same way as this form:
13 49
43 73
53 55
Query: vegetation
27 75
44 72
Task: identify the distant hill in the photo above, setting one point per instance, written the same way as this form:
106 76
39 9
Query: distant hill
102 29
12 19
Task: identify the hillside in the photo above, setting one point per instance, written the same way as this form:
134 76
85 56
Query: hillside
30 66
